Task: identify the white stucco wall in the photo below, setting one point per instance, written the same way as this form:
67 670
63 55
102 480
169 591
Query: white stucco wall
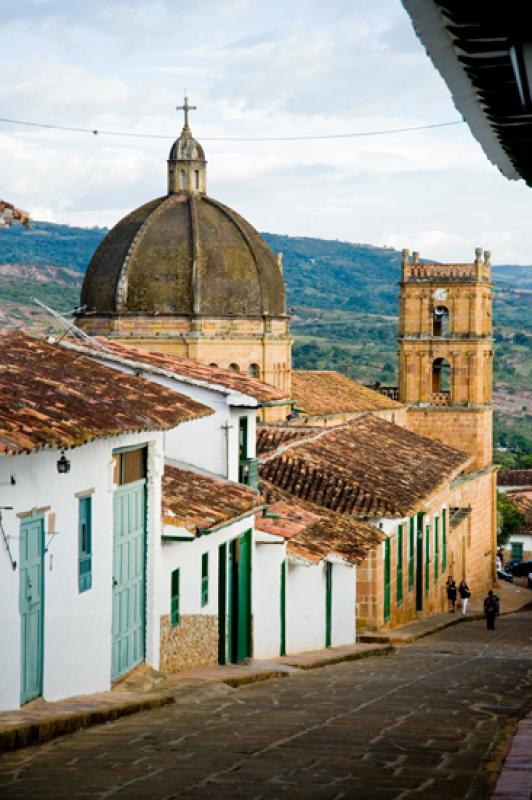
77 626
267 599
343 627
305 607
186 556
206 443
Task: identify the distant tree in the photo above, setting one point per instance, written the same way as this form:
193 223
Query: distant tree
510 519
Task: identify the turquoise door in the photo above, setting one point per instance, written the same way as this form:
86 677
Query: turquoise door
31 603
129 522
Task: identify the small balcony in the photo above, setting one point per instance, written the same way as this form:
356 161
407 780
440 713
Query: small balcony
248 472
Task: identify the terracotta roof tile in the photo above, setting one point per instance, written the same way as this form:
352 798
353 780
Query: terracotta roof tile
186 368
270 438
195 501
328 392
50 397
514 477
313 534
367 467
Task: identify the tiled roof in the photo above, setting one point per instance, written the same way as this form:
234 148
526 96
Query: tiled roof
328 392
523 501
270 437
367 467
514 477
195 501
313 534
50 397
186 368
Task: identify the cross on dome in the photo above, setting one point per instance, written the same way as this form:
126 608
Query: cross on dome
186 108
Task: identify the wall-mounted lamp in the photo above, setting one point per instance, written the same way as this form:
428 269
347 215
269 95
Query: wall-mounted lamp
63 464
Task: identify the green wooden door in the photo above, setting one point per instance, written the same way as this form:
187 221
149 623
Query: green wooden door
427 558
282 611
244 598
31 604
328 603
419 563
386 580
222 603
239 598
129 520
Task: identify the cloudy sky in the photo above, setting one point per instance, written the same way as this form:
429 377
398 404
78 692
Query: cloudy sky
254 69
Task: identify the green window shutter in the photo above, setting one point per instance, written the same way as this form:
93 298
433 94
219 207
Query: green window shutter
399 564
174 601
85 543
204 579
517 549
443 540
427 558
411 547
436 547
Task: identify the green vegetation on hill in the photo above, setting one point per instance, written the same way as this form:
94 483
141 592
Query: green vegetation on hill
343 301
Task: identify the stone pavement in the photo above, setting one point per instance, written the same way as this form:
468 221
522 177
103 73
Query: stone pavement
512 598
145 689
515 781
433 720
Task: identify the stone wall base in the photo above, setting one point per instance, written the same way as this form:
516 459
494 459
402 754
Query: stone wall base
191 643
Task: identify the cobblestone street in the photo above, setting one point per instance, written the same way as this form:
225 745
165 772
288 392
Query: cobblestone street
430 721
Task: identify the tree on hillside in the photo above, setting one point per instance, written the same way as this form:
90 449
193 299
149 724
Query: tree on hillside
510 519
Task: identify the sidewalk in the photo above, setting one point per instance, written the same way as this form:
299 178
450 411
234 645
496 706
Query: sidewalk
144 689
515 780
513 598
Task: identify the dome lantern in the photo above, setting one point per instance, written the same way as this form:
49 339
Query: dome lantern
187 167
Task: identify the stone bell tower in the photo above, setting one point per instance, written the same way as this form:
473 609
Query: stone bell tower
446 352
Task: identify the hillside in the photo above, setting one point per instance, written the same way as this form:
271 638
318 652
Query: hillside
342 298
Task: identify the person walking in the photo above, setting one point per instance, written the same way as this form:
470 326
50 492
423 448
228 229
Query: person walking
451 594
491 609
465 594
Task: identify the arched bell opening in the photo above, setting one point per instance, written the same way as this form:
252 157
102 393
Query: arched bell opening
441 382
234 368
254 371
440 321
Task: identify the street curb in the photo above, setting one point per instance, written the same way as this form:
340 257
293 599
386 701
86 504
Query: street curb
16 737
339 659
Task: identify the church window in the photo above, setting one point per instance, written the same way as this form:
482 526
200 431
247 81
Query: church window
254 371
441 376
440 321
234 368
182 179
204 579
174 598
85 543
196 179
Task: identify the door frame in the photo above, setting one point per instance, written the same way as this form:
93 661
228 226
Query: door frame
387 576
282 610
27 520
419 561
328 603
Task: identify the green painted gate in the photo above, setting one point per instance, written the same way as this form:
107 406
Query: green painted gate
419 562
31 605
129 543
328 603
387 572
282 610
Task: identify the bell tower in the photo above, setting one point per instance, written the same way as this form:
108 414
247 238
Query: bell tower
446 352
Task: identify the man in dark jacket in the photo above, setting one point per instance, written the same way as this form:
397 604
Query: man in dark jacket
491 609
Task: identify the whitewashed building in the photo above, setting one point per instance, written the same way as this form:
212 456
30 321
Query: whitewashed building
81 461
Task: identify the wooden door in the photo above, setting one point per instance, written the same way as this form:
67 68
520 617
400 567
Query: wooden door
129 615
328 603
31 603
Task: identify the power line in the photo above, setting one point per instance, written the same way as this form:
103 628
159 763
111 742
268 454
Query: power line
98 132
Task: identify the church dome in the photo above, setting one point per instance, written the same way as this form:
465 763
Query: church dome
184 253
